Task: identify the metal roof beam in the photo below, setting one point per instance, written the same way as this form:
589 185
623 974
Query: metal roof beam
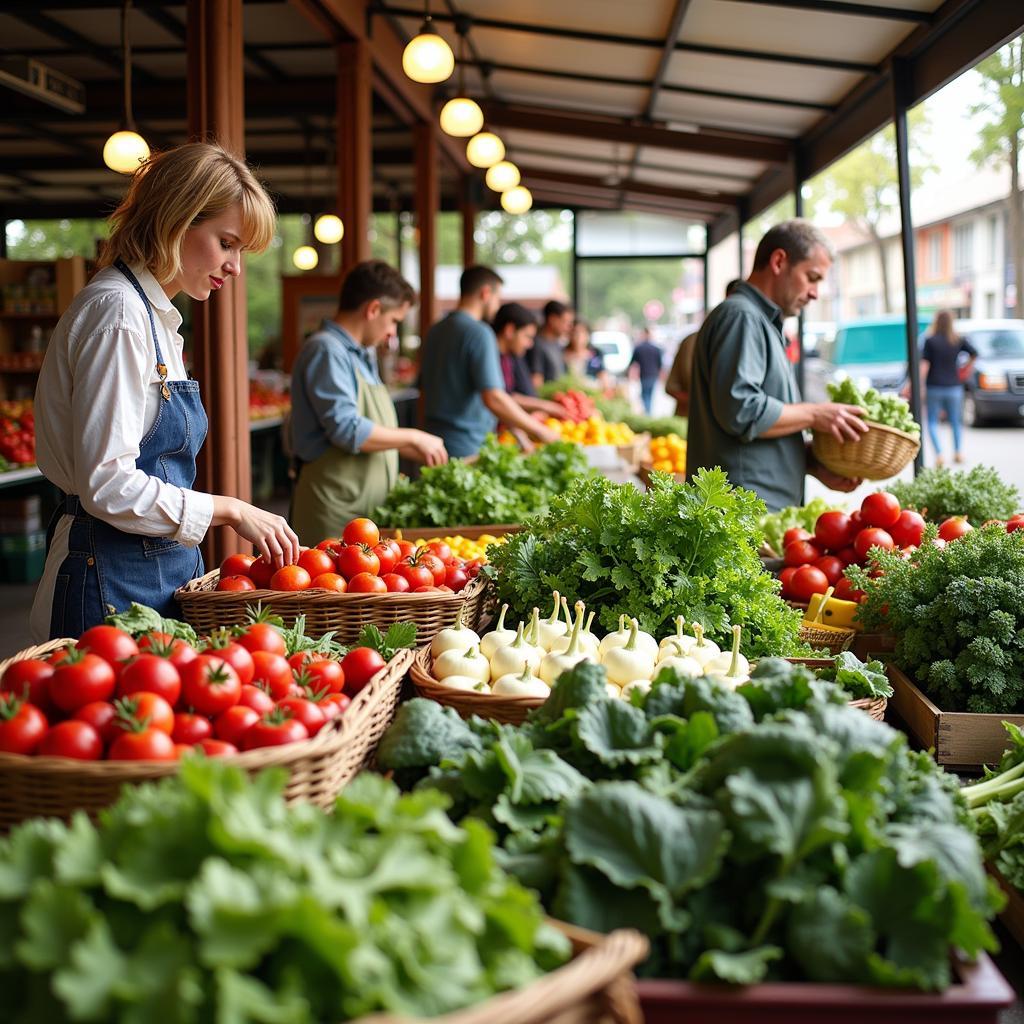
693 197
849 9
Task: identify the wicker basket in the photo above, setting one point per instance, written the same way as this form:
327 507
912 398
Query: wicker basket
873 706
208 609
414 533
319 767
879 454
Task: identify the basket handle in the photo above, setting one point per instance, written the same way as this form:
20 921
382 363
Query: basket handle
821 607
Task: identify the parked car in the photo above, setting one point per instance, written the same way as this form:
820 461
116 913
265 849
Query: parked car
995 385
615 347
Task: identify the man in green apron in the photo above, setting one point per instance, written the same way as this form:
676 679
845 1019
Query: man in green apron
343 430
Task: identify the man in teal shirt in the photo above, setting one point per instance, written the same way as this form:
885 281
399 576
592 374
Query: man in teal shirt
745 410
464 394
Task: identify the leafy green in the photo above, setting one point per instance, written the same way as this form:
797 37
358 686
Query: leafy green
775 524
678 549
141 619
886 410
857 678
206 897
978 493
656 426
400 635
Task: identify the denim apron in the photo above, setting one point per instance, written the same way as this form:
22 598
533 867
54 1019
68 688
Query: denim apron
107 569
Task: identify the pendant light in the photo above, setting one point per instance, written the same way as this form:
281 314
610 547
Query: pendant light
517 200
329 229
502 176
427 57
485 149
125 150
461 117
305 257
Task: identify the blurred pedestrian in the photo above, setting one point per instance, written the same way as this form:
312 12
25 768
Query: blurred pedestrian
546 357
647 358
942 376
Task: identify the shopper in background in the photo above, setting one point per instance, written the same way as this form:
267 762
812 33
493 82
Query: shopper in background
118 420
547 361
646 364
463 388
941 380
343 427
582 360
515 328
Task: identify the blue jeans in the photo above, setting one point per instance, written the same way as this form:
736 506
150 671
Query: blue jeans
647 392
950 399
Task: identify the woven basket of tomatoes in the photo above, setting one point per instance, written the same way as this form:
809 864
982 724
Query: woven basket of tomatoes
79 720
343 584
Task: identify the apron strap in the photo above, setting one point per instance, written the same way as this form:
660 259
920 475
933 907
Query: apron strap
161 366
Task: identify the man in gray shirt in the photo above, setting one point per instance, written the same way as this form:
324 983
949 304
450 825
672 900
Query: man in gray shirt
745 410
545 359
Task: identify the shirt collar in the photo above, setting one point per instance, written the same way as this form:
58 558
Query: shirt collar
350 343
770 310
157 296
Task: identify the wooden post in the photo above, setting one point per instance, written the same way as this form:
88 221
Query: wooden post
428 199
220 348
354 150
468 209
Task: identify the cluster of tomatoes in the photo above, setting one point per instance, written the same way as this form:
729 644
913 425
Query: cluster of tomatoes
577 405
358 562
155 699
17 433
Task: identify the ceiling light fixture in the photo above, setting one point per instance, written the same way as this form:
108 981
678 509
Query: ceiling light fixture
517 200
484 150
502 176
461 116
329 229
427 57
126 149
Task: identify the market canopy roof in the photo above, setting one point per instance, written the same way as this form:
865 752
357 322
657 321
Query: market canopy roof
708 109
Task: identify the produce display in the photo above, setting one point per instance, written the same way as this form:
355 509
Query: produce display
977 494
470 549
668 453
775 524
206 897
17 434
154 695
593 430
656 426
266 401
501 486
885 410
768 832
685 549
578 406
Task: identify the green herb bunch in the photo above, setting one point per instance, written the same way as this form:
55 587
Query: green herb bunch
885 410
208 898
978 493
958 616
678 549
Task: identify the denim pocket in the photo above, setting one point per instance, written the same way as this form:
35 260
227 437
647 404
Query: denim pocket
154 546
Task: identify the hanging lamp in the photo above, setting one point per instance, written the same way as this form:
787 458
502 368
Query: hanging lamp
517 200
502 176
329 228
305 257
461 116
427 57
485 149
126 149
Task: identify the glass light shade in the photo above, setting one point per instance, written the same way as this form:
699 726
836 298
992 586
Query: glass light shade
124 151
305 257
502 176
485 150
329 229
427 57
461 117
517 200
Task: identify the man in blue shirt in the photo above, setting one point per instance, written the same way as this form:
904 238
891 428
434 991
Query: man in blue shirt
460 372
343 428
647 358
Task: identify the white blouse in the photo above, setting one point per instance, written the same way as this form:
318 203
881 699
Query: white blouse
97 397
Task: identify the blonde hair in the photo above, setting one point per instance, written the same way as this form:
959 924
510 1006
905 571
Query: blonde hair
943 324
176 190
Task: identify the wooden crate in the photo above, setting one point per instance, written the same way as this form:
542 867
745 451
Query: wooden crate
415 533
960 739
976 997
1012 915
869 645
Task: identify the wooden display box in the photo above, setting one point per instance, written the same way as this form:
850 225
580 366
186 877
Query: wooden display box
976 997
415 533
960 739
1012 915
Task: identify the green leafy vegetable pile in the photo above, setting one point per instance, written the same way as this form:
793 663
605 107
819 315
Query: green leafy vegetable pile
857 678
502 486
978 493
768 833
656 426
886 410
958 617
678 549
207 898
569 382
775 524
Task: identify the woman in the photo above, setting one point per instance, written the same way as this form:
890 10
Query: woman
941 380
119 422
581 359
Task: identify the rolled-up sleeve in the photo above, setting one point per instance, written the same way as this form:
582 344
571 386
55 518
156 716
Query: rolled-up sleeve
738 365
330 384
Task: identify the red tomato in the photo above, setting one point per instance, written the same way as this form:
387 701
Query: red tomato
800 552
152 673
102 716
414 573
179 652
329 581
441 549
833 531
328 543
880 509
334 704
405 548
366 583
231 724
110 643
908 528
806 581
220 645
388 555
1014 523
22 726
217 748
146 709
305 711
361 531
455 577
236 584
832 567
81 678
257 698
473 567
846 591
354 559
181 749
316 562
428 589
274 730
848 555
794 533
360 665
145 744
190 728
236 565
300 659
325 674
29 678
72 738
872 538
856 520
435 565
260 572
291 578
785 578
210 685
261 636
954 528
274 671
396 584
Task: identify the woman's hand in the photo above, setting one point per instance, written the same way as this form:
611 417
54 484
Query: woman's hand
425 448
271 535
